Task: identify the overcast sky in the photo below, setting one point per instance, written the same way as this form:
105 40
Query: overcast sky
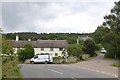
54 17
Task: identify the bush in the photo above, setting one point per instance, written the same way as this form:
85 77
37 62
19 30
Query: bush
26 53
58 58
116 64
109 55
11 70
75 50
98 46
89 47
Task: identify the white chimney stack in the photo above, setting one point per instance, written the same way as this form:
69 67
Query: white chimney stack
17 38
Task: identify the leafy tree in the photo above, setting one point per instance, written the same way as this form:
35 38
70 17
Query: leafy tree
71 40
75 50
22 55
112 39
52 36
26 53
89 47
99 33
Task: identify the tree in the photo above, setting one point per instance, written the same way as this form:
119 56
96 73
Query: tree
99 33
26 53
89 47
74 50
72 40
112 39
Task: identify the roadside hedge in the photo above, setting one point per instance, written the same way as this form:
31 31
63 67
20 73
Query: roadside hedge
10 69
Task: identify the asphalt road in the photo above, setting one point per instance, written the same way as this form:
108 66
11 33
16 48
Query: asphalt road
58 71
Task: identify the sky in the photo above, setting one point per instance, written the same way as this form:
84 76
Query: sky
53 16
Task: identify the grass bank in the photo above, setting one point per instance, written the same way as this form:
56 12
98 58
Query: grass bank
116 64
10 69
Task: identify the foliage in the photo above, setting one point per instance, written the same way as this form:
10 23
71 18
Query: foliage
6 47
81 42
116 64
26 53
21 55
98 34
70 37
11 70
10 67
59 57
89 47
98 46
112 39
75 50
108 34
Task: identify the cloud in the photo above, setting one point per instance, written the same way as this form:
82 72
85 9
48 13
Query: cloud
54 16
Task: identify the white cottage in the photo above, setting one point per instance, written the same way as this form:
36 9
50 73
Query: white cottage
54 47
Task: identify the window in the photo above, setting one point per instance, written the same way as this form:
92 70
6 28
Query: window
46 53
42 49
42 53
61 49
56 54
51 49
35 57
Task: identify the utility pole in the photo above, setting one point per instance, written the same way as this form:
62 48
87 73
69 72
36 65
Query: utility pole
65 55
1 53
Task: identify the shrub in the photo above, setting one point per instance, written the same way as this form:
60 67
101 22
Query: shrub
26 53
75 50
116 64
89 47
10 69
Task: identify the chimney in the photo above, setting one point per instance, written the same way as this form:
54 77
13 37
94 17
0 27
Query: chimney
17 38
29 39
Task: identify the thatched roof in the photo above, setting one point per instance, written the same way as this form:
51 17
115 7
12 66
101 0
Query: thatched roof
40 43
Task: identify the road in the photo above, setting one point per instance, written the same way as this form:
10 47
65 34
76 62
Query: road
97 67
58 71
99 64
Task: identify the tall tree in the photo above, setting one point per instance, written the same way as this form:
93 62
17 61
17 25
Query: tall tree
99 33
112 21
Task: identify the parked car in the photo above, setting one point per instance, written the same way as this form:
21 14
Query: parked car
46 58
103 50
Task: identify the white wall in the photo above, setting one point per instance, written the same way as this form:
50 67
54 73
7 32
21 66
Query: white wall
16 49
47 50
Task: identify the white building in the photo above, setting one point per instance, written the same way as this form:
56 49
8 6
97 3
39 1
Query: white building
54 47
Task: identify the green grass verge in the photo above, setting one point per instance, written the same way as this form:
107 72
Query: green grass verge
110 59
116 64
11 70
